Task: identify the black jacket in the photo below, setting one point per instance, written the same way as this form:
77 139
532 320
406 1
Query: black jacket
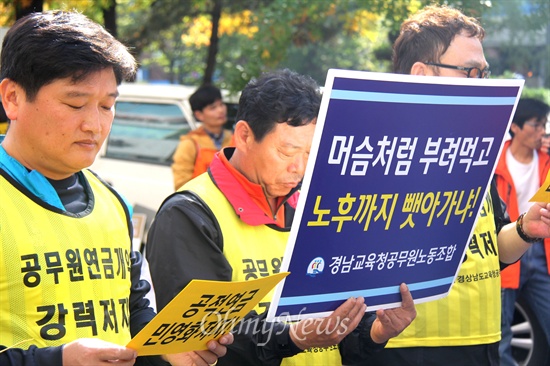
186 235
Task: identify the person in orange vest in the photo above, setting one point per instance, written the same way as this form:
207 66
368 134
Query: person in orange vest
197 148
520 172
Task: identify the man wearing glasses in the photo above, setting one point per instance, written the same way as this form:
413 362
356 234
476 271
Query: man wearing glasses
520 173
471 72
464 327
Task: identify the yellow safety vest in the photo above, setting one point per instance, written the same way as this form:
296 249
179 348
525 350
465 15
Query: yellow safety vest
253 252
63 276
470 314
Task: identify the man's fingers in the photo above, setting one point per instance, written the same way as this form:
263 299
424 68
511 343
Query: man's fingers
344 309
349 309
226 339
331 330
208 357
348 315
357 312
406 296
93 351
216 348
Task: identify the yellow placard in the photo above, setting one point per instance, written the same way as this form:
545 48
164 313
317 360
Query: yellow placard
543 194
202 311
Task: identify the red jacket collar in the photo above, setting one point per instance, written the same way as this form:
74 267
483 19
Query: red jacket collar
247 210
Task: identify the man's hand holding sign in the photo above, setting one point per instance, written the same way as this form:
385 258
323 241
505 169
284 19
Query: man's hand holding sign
202 311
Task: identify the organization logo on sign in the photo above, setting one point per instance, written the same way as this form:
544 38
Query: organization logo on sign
316 267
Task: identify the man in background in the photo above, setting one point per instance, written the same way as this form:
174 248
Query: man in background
197 148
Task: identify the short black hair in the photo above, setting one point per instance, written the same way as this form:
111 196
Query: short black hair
3 115
43 47
529 108
203 96
282 96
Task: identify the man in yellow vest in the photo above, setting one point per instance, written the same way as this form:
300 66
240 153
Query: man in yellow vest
232 223
70 288
464 327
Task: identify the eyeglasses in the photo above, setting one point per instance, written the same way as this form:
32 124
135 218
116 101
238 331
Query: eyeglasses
473 72
537 126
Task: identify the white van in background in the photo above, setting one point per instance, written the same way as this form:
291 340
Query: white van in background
136 157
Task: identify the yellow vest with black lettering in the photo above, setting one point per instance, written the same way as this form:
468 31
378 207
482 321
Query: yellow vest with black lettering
470 314
63 276
254 251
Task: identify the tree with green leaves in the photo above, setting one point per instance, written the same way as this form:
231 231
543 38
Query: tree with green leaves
309 36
